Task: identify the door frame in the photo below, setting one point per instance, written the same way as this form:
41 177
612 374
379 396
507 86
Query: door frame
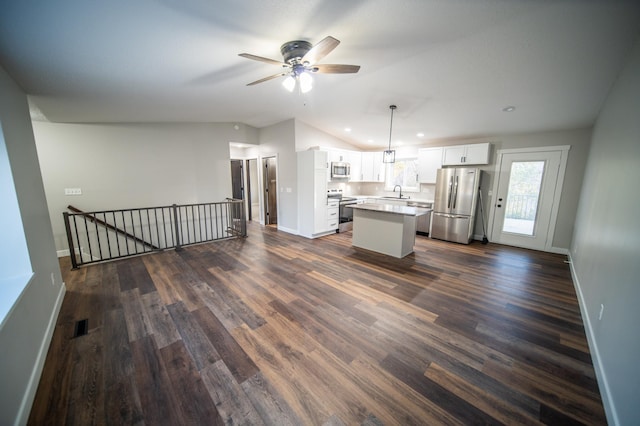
564 154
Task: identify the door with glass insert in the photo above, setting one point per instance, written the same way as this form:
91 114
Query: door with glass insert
524 200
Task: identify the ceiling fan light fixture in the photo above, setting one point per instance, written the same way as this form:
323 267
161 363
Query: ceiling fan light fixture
289 83
389 155
306 82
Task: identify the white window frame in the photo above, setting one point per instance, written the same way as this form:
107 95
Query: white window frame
389 170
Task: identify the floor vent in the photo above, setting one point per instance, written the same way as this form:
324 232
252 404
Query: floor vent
81 329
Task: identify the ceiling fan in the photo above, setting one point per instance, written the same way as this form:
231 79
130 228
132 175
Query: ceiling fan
300 61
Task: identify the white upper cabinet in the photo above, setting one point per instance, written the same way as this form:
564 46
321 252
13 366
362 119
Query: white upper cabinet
429 161
372 167
354 158
463 155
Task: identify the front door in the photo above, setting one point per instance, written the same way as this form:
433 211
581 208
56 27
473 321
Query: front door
526 198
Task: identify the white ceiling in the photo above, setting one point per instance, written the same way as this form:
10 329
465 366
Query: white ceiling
451 66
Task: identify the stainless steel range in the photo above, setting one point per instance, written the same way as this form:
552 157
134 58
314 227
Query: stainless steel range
346 214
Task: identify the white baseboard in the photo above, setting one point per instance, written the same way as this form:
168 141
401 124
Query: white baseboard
63 253
288 230
603 384
556 250
34 380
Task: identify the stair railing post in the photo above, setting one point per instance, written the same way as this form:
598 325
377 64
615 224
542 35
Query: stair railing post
72 250
177 226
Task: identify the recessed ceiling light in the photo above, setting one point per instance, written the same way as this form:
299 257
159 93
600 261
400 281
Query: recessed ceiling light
420 135
370 141
347 129
509 108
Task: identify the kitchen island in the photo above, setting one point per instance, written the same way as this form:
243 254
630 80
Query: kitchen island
385 228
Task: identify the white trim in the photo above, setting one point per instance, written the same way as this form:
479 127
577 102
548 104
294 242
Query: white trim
287 230
63 253
601 377
558 250
564 150
34 380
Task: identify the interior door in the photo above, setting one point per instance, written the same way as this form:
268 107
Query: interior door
524 200
271 191
237 185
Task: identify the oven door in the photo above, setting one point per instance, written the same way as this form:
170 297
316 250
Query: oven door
346 214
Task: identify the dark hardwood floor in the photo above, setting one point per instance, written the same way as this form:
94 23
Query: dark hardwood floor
275 329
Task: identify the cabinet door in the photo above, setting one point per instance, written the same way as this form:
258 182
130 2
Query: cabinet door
320 160
378 167
477 154
354 158
320 201
454 155
429 161
367 166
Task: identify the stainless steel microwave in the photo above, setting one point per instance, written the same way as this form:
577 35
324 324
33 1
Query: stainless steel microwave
340 169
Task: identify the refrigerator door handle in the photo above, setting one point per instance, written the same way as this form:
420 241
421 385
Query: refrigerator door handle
450 192
451 216
455 194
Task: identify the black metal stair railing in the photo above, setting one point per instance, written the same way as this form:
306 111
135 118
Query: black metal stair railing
112 234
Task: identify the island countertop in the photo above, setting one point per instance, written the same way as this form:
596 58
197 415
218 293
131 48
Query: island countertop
391 208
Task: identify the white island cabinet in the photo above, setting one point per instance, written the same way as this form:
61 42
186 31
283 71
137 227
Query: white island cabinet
385 228
313 207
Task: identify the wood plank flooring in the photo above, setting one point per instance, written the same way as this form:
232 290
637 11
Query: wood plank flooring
276 329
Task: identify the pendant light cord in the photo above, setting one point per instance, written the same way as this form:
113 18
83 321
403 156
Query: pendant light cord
392 107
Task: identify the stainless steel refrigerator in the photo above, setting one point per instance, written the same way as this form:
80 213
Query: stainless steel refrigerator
454 207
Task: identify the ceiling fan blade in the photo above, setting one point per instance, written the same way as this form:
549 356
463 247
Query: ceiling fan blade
271 77
320 50
261 59
335 68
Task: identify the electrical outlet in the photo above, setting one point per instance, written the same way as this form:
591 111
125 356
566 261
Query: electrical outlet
601 312
72 191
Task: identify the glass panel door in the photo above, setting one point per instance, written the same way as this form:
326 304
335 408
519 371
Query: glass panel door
524 202
523 195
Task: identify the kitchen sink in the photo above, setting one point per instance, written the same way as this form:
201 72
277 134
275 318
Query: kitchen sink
396 198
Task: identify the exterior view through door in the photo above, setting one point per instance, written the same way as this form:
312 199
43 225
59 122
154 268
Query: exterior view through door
526 196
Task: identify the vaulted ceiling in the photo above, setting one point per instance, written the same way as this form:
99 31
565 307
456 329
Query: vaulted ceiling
451 66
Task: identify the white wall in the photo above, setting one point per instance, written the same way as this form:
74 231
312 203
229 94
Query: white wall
133 165
279 141
308 136
606 247
26 331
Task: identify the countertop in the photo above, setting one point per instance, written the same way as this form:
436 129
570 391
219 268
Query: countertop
390 208
379 197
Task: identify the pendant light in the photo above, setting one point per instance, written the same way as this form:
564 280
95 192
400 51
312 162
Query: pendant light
389 155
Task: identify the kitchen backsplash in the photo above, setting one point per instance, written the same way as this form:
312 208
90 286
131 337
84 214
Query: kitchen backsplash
427 191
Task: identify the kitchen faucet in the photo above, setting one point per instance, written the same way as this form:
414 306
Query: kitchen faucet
394 190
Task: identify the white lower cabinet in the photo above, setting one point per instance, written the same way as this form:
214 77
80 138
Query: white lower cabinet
333 218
